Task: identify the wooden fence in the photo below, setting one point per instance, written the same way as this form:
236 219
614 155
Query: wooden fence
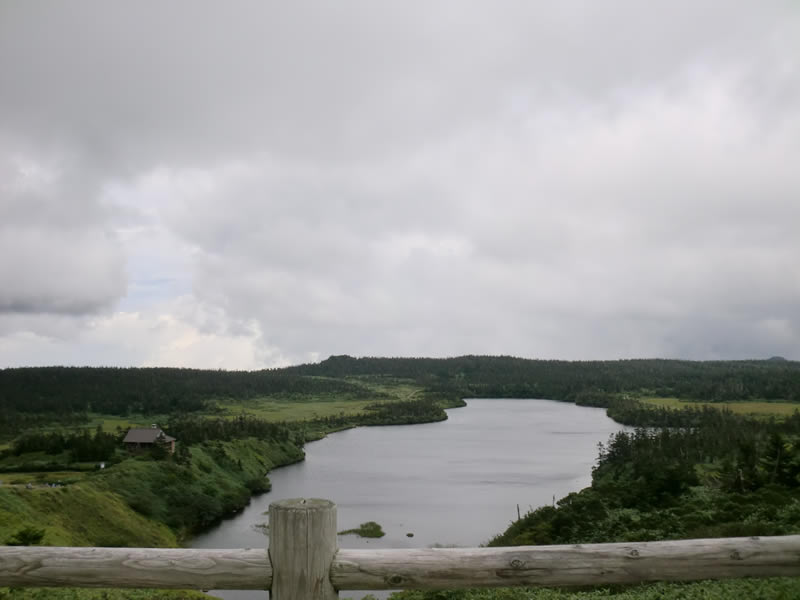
303 562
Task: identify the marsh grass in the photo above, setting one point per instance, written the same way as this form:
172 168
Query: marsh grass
370 529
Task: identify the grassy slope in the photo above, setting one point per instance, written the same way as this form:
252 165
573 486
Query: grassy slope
131 504
41 478
97 511
219 480
79 515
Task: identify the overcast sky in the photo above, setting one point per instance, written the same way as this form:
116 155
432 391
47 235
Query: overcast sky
253 184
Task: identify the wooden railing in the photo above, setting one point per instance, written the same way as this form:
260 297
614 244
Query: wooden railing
303 562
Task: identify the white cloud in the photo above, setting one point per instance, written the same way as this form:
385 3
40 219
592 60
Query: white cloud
177 333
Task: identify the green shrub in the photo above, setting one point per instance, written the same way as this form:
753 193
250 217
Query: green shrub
26 536
370 529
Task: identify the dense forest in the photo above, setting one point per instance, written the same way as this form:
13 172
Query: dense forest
81 445
33 396
505 376
119 391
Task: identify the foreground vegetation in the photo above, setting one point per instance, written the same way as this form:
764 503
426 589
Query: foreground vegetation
776 588
99 594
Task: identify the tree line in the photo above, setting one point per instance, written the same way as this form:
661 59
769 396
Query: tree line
122 391
506 376
83 446
189 429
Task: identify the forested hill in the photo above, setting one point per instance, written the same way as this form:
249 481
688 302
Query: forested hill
71 390
569 380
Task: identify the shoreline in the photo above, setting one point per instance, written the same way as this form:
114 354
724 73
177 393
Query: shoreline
184 540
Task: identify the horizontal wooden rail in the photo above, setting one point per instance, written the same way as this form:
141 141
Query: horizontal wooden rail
164 568
436 568
565 566
304 563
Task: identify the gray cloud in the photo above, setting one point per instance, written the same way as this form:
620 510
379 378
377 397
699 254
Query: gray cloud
579 181
58 254
189 81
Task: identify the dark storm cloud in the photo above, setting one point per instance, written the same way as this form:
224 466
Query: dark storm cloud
570 180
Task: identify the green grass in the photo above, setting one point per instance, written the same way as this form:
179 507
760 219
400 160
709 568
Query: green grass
99 594
399 389
37 478
761 409
370 529
776 588
111 422
78 515
303 408
289 410
43 466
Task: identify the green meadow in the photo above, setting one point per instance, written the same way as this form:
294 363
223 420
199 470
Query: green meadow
744 407
292 408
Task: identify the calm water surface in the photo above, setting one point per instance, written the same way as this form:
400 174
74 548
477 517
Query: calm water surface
457 482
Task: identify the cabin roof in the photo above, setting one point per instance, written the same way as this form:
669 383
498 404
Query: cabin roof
146 435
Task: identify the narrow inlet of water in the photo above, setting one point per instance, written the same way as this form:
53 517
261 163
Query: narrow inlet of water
453 483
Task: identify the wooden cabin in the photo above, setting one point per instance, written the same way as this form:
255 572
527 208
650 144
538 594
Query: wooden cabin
143 438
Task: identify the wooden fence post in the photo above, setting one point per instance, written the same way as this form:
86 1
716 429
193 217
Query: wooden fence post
302 545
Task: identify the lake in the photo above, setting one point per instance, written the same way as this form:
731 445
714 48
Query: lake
456 482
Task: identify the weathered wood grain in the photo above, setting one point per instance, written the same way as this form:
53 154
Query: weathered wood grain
176 568
302 545
558 566
565 566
